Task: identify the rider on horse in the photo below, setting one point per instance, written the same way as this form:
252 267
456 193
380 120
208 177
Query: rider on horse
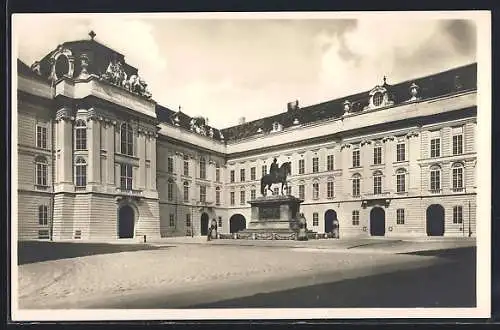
274 168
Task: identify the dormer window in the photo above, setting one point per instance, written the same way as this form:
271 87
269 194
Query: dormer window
378 98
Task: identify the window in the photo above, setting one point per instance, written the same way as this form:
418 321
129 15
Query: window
170 190
315 164
186 165
171 221
219 222
458 176
276 191
377 99
264 170
126 176
457 214
41 171
43 215
41 137
377 155
232 198
242 197
458 144
80 172
217 173
329 163
232 176
355 218
355 158
400 152
400 180
203 168
253 194
188 220
302 191
242 175
127 139
252 173
203 194
80 135
400 216
315 190
356 185
43 234
377 183
315 219
186 191
170 165
217 196
435 179
329 189
301 166
435 147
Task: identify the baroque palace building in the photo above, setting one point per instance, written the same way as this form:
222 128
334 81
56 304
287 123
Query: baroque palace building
99 159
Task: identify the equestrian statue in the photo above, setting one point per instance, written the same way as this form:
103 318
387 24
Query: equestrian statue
276 175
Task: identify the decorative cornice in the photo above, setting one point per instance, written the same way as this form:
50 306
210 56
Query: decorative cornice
388 138
365 142
65 114
345 145
412 134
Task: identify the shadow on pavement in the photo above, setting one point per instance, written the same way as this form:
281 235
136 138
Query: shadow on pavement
454 254
36 251
451 283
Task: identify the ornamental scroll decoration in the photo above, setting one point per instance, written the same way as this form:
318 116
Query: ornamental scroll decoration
117 76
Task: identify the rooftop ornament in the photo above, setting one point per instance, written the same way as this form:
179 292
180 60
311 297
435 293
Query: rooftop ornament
117 76
347 107
414 92
296 121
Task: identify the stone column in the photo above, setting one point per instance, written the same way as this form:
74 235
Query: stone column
141 154
152 145
94 146
110 148
64 162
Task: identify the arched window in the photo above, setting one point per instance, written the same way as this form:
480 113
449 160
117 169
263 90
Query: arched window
80 172
356 184
435 178
170 189
401 180
126 139
217 196
80 135
457 176
41 171
186 191
203 168
377 182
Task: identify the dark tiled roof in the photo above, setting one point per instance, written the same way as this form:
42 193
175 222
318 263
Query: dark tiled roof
24 69
447 82
167 115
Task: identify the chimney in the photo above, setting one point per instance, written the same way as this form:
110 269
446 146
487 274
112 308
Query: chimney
241 121
293 105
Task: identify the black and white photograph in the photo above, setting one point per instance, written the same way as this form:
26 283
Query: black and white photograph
286 165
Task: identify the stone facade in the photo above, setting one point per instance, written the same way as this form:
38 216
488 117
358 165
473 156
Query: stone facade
174 177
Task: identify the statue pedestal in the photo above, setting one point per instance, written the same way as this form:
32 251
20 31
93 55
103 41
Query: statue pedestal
273 217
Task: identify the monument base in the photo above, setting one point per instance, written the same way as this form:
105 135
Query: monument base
273 217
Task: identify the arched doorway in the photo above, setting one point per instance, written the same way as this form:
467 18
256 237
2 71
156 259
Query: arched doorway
377 222
331 223
204 224
237 222
435 220
126 222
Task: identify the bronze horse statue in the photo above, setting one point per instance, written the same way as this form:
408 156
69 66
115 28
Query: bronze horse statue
280 177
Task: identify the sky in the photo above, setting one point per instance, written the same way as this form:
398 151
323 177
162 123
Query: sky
228 68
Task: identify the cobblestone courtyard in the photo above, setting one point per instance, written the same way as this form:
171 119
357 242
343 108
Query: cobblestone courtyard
177 274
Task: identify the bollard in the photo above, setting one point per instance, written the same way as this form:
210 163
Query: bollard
144 237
